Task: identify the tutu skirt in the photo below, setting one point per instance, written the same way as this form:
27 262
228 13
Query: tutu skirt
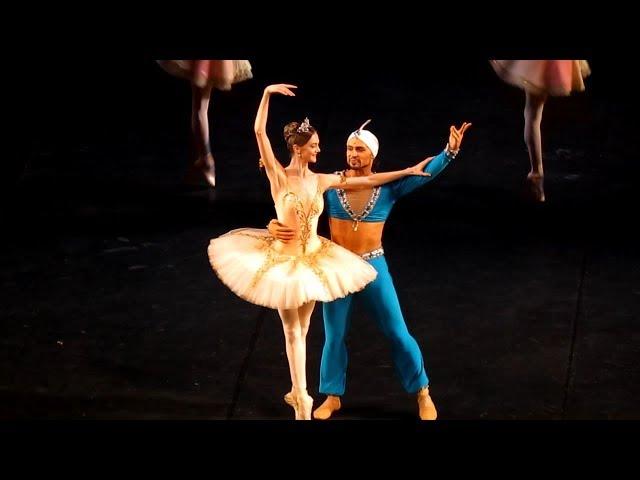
220 74
552 77
247 262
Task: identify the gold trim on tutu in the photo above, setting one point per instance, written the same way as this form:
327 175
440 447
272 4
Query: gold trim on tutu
246 261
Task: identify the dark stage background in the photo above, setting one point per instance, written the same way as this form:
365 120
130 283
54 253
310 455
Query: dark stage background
110 309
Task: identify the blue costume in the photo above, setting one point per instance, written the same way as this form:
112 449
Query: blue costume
379 297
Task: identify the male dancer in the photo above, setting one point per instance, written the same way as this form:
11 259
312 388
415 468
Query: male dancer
356 221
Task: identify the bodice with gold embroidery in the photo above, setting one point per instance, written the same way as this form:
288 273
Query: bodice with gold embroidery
301 213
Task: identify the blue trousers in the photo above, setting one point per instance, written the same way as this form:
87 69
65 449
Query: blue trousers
381 301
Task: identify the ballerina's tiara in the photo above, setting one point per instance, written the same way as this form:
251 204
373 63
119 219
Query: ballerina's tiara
304 126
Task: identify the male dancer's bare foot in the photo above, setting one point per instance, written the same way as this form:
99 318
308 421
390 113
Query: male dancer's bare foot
330 405
535 186
426 408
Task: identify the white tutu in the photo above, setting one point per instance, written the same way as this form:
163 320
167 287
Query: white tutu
247 262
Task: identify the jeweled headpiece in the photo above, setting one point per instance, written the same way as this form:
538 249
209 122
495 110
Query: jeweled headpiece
304 126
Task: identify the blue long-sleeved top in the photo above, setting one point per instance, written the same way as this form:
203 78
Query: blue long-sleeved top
384 196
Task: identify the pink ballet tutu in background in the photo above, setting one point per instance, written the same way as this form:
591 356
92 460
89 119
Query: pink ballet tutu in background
220 74
551 77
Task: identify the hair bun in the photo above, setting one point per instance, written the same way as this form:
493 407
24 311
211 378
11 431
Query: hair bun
290 129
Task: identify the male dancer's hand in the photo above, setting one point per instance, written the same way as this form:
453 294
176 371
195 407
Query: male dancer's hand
456 134
281 231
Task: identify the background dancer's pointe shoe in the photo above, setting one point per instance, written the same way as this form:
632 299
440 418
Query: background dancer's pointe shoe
330 405
207 167
535 186
426 408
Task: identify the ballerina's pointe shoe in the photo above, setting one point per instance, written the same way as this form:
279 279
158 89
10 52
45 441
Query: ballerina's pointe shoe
535 183
305 405
330 405
290 399
426 408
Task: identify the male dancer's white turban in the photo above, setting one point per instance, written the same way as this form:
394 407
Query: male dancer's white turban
368 138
